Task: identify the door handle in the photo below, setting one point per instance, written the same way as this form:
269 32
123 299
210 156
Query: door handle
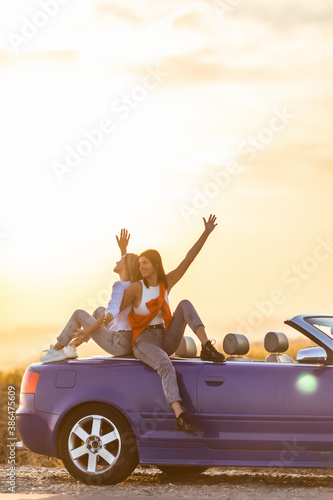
214 381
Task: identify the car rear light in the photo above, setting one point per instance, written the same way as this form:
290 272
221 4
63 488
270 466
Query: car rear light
29 382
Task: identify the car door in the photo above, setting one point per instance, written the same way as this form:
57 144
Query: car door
266 406
158 418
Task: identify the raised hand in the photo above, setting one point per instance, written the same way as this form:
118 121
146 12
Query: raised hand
123 240
211 224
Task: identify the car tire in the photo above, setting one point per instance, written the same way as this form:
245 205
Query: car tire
179 470
97 445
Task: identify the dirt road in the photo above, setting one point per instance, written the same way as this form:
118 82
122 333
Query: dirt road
244 484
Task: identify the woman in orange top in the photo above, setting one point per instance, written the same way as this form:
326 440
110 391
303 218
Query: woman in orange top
156 333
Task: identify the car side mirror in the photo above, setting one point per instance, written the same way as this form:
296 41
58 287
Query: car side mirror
312 355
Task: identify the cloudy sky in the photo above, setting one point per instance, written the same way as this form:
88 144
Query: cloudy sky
151 115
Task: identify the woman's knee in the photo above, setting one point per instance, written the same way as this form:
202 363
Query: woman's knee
185 304
79 312
98 312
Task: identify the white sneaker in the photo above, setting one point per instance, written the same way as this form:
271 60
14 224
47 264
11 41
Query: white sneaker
53 355
70 351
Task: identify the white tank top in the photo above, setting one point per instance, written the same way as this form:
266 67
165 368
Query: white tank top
147 294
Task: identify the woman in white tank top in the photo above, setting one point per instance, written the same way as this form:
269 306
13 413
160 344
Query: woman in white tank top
149 293
156 343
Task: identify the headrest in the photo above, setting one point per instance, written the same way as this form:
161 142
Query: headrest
236 343
276 342
187 348
279 358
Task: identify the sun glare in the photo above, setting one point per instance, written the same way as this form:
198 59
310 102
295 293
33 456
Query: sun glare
307 383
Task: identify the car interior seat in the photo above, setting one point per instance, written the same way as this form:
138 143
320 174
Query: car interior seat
236 345
276 343
187 348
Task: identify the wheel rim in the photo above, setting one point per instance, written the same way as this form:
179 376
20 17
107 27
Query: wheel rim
94 444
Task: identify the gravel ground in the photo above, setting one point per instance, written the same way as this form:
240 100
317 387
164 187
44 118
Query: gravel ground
250 483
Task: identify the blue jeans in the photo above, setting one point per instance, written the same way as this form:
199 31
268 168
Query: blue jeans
154 347
116 343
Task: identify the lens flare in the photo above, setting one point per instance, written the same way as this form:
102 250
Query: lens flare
307 383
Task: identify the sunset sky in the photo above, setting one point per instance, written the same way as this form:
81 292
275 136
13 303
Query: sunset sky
151 115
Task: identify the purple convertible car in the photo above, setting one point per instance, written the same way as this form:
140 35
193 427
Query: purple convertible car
104 415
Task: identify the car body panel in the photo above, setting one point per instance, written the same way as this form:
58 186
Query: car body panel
249 413
111 381
286 403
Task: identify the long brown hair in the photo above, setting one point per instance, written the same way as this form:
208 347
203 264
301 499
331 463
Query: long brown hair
132 264
154 257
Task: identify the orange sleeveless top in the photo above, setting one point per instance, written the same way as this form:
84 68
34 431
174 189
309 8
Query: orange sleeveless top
139 322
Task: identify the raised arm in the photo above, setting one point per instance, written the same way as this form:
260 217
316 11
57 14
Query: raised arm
174 276
123 241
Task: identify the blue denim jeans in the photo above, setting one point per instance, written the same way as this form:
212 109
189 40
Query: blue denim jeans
116 343
154 347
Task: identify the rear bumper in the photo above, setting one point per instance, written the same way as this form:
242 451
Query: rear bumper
37 430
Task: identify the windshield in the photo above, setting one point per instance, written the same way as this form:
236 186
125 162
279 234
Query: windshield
323 323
